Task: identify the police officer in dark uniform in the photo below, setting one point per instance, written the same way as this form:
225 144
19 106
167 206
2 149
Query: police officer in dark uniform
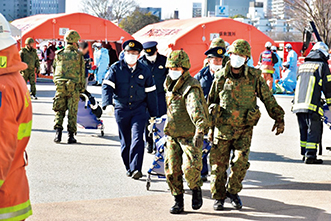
131 86
206 76
156 63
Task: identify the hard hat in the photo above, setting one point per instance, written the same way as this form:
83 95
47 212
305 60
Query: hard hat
177 59
240 47
273 48
29 41
6 40
288 45
71 36
268 44
322 47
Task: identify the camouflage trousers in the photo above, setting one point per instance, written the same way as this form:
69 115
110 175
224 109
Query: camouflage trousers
237 141
30 76
174 165
66 99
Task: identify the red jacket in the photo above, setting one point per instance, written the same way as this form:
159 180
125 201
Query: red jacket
15 129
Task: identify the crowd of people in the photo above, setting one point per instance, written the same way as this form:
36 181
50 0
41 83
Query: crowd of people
218 105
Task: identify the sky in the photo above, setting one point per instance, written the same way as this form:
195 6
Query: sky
168 6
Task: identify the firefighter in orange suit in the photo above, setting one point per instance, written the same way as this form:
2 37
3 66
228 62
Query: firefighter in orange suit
15 129
267 61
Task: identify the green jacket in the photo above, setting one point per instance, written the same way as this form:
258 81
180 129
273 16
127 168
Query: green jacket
187 109
235 98
30 57
69 65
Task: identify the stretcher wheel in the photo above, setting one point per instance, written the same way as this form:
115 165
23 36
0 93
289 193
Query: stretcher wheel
102 133
148 185
148 181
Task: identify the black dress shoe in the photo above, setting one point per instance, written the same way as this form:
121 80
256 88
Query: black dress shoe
204 178
196 198
179 205
137 175
129 173
235 200
219 205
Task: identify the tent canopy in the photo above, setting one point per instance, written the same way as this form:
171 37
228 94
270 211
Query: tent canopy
54 26
194 36
15 32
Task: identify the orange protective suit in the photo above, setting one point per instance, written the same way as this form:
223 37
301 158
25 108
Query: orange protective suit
15 130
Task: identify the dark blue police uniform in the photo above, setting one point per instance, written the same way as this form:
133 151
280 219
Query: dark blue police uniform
205 77
132 93
159 73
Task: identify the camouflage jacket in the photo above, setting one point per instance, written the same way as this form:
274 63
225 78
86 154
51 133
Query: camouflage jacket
69 65
187 109
236 98
30 57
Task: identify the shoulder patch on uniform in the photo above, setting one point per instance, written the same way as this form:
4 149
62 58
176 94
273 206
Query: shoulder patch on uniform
308 67
141 76
3 61
160 67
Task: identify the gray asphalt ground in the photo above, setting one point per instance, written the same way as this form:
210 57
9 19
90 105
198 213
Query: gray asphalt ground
87 181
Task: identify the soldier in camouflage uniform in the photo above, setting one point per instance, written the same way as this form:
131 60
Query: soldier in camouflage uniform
69 78
187 120
29 56
233 109
217 42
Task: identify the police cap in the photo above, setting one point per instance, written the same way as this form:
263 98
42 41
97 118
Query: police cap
216 52
132 45
150 47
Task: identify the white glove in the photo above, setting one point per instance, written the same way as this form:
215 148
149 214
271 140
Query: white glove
109 110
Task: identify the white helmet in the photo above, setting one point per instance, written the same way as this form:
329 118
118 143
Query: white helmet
322 47
6 39
288 45
268 44
273 48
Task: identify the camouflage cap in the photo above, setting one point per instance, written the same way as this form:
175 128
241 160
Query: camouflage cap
178 58
217 42
29 41
72 36
240 47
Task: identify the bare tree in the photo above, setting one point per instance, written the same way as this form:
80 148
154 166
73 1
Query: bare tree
109 9
318 11
99 8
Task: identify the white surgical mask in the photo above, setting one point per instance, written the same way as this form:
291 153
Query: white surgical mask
237 61
151 58
174 75
215 67
130 58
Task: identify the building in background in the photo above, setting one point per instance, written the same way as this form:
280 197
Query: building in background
280 9
256 10
14 9
237 7
197 10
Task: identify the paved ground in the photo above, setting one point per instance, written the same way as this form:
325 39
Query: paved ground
87 181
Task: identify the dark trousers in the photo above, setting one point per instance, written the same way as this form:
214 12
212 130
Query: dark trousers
131 125
310 132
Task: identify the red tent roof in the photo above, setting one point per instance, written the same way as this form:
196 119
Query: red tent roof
48 26
194 36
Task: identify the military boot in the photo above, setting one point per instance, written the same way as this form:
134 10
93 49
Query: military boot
196 198
179 205
219 204
235 200
312 160
71 138
58 136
